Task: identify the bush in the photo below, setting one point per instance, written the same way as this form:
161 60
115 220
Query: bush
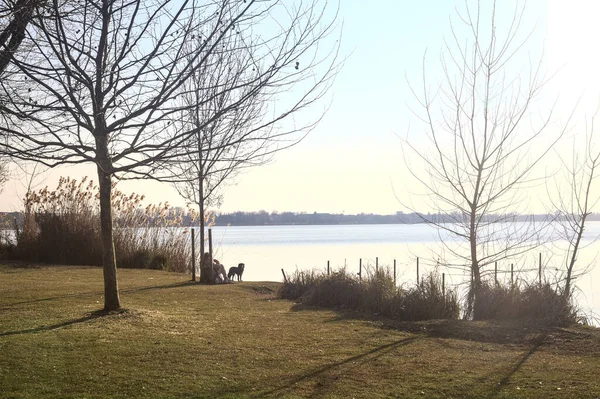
533 301
335 291
63 227
428 301
376 293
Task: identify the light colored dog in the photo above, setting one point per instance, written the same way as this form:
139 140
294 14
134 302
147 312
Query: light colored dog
220 273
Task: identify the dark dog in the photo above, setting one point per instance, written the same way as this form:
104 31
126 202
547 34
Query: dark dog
239 270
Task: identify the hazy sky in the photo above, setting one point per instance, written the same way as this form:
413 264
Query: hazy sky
352 162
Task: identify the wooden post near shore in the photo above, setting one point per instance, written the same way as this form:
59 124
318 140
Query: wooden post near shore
210 252
496 273
540 270
284 277
376 264
444 285
512 275
328 268
417 270
360 269
394 272
193 255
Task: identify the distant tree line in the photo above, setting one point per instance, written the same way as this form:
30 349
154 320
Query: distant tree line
8 220
262 218
293 218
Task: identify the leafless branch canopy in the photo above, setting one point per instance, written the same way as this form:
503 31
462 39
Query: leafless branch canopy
118 68
481 139
574 203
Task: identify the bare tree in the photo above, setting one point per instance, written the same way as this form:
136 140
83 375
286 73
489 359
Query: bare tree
105 76
215 152
16 16
480 153
574 204
250 133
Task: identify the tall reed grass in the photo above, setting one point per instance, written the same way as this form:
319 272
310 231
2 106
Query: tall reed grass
525 301
376 293
63 226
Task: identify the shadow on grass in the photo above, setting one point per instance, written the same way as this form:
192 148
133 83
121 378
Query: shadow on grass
159 287
94 315
52 298
506 379
492 331
378 352
98 293
496 390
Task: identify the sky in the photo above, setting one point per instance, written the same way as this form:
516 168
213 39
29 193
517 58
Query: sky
352 162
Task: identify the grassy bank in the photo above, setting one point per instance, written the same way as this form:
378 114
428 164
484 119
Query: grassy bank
183 340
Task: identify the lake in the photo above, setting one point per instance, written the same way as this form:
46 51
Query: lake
267 249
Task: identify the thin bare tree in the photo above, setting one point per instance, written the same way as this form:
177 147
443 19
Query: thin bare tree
480 149
104 77
574 203
214 153
250 133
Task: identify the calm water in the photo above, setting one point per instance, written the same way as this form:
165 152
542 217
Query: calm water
267 249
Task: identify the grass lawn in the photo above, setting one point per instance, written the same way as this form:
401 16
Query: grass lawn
177 339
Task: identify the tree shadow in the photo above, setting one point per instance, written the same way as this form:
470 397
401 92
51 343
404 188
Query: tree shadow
514 369
378 352
91 316
97 293
524 332
159 287
52 298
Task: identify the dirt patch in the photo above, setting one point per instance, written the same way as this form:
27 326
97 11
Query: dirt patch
263 290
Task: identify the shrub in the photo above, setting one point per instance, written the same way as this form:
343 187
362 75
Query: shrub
375 293
334 291
299 284
533 301
428 301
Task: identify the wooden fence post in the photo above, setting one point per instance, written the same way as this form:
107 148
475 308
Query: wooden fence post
328 268
496 273
512 273
210 251
540 270
394 272
417 270
284 278
193 255
376 264
444 285
360 269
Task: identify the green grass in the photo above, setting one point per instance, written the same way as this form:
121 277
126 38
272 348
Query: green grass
178 339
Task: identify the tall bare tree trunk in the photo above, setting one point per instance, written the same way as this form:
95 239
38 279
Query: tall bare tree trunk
201 224
109 262
571 266
476 282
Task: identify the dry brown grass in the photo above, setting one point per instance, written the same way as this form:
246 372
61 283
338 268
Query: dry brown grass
63 226
178 339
